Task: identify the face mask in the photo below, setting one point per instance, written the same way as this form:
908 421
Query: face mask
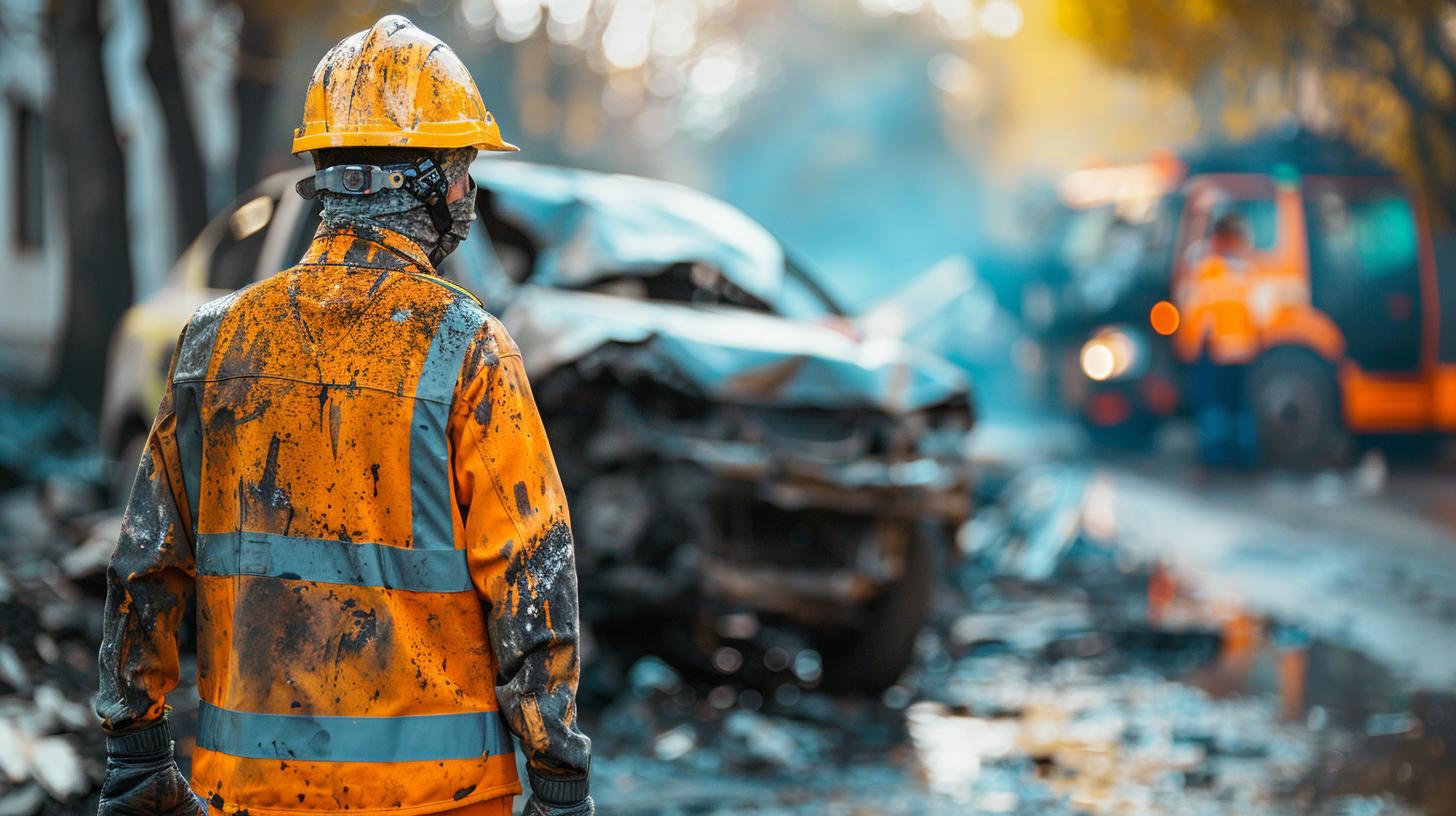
462 212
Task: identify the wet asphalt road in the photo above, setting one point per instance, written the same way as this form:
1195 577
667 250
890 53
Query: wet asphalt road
1121 635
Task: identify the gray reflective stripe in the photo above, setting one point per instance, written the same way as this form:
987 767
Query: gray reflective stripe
194 359
333 562
432 527
352 739
187 408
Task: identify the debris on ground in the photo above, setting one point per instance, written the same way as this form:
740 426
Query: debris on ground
1057 676
52 754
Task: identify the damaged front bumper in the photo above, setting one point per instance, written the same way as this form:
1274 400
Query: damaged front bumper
918 488
867 514
777 529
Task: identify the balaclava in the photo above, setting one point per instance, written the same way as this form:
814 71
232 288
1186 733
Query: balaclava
400 211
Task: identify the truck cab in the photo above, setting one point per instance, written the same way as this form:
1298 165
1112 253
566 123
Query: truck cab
1345 296
1345 299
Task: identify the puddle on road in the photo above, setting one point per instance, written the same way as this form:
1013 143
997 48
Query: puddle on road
1202 709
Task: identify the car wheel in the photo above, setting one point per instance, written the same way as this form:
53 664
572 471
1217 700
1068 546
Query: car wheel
873 657
1295 403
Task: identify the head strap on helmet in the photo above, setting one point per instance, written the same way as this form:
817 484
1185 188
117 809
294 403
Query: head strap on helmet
422 178
352 179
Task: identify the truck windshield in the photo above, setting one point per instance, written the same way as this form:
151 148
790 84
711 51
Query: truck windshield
1364 260
1258 213
1110 256
1369 234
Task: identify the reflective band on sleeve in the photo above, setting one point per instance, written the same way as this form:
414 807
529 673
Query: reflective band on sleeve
352 739
194 359
432 525
187 408
333 562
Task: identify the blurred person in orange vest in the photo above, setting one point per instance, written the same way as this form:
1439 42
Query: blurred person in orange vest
349 473
1218 332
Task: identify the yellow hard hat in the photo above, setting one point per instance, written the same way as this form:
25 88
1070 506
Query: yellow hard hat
394 85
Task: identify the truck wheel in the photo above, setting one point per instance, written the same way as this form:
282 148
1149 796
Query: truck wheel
872 658
1296 407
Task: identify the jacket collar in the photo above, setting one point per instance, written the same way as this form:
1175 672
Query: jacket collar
356 243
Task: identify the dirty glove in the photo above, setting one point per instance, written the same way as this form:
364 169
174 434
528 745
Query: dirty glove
142 778
558 797
536 807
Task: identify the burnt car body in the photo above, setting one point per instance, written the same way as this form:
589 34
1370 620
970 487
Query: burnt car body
730 443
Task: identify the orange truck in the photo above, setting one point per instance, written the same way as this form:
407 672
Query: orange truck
1345 294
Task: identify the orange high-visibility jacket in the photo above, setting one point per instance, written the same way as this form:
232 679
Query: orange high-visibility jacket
349 468
1217 313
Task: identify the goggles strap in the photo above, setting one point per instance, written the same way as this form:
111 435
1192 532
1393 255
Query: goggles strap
353 180
423 179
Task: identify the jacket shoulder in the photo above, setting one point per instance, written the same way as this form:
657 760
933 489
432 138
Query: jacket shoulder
194 351
490 344
494 334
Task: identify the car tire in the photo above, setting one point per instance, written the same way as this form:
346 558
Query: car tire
877 653
1295 402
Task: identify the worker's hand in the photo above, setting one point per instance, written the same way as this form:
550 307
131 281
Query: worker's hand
141 787
537 807
142 778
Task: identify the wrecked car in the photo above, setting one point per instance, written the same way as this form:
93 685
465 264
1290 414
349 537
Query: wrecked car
733 446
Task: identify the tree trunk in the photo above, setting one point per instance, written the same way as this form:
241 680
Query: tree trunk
1434 145
93 189
258 55
189 179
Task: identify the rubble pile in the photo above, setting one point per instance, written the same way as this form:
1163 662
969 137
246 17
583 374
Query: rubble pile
56 536
51 594
668 745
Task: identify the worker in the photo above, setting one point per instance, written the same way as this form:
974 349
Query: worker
349 472
1219 334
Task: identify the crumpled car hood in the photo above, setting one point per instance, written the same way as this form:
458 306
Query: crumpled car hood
597 225
733 354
